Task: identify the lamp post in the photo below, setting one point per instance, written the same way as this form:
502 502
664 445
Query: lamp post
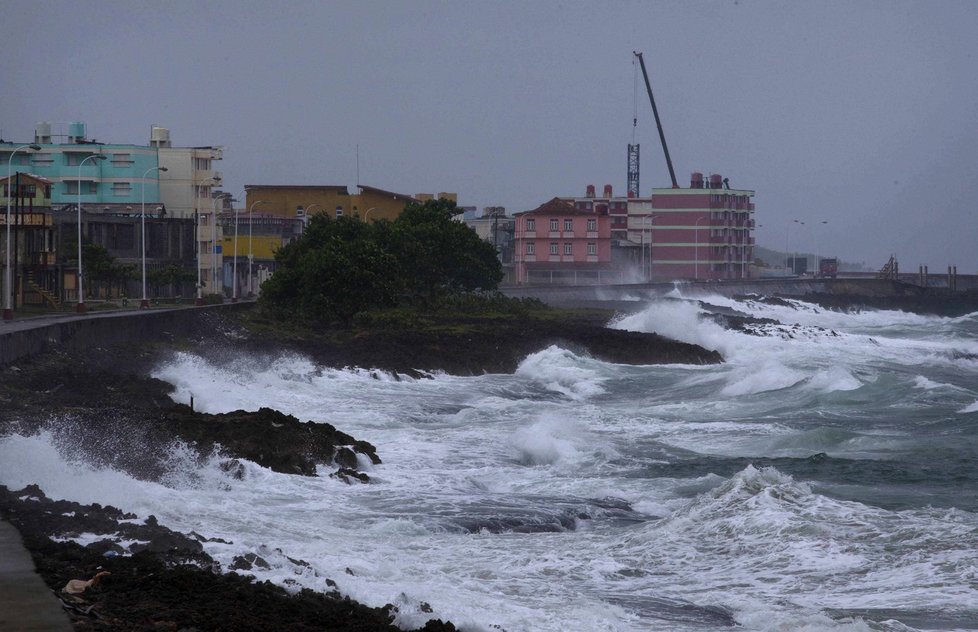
234 261
649 220
817 270
144 303
200 286
793 263
251 256
80 308
696 264
366 214
8 310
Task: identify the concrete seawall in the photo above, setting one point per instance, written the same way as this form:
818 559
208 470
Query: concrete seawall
585 295
32 336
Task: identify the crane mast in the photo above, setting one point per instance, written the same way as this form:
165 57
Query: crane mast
658 123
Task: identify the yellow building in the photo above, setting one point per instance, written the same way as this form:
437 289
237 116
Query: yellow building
425 197
301 201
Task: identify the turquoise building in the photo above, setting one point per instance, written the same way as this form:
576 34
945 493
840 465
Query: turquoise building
115 182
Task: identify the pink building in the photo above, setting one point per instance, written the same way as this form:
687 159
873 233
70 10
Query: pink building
561 243
703 232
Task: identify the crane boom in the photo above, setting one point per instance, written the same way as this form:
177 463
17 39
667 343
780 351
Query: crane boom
658 123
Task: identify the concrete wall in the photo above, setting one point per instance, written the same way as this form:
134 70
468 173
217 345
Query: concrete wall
22 340
581 295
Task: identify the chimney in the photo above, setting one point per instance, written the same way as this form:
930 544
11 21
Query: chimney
608 191
590 191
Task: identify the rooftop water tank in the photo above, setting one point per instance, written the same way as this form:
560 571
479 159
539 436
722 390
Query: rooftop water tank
608 191
42 133
696 180
159 137
76 132
590 191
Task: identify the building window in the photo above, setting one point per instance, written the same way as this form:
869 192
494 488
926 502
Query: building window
531 248
568 225
43 160
531 225
121 160
553 247
554 226
592 225
71 187
202 164
568 249
121 189
339 211
592 248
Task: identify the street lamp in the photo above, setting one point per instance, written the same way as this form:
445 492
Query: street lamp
696 264
817 269
8 310
80 308
793 265
144 304
212 180
650 219
234 262
366 213
251 221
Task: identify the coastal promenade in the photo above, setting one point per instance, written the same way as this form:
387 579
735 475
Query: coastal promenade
25 602
26 337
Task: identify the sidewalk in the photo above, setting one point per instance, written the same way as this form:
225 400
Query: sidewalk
26 603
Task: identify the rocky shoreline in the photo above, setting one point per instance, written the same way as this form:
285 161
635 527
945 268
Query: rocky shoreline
104 404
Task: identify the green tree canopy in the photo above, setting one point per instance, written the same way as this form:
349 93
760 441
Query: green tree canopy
444 256
339 267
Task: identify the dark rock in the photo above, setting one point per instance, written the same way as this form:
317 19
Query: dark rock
248 561
345 475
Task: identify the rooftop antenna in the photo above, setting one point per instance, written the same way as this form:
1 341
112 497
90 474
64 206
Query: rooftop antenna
358 165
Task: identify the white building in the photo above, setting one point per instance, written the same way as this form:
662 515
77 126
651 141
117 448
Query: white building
186 190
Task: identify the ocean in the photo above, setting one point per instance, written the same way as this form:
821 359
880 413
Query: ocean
822 478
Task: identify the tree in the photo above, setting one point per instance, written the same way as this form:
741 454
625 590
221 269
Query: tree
336 268
339 267
100 267
443 255
169 276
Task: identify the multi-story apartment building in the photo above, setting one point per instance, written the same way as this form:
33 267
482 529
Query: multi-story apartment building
703 232
78 175
112 183
187 189
560 243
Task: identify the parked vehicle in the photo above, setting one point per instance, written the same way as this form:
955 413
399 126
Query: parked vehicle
828 268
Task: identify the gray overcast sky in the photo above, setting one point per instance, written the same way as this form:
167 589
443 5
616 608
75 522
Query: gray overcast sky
863 114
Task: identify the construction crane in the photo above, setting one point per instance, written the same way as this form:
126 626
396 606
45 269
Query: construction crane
658 123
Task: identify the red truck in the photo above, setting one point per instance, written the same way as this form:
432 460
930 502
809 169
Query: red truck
828 268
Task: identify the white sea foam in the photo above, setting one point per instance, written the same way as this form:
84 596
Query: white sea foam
971 408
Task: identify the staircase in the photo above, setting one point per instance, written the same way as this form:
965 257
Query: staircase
47 295
890 270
